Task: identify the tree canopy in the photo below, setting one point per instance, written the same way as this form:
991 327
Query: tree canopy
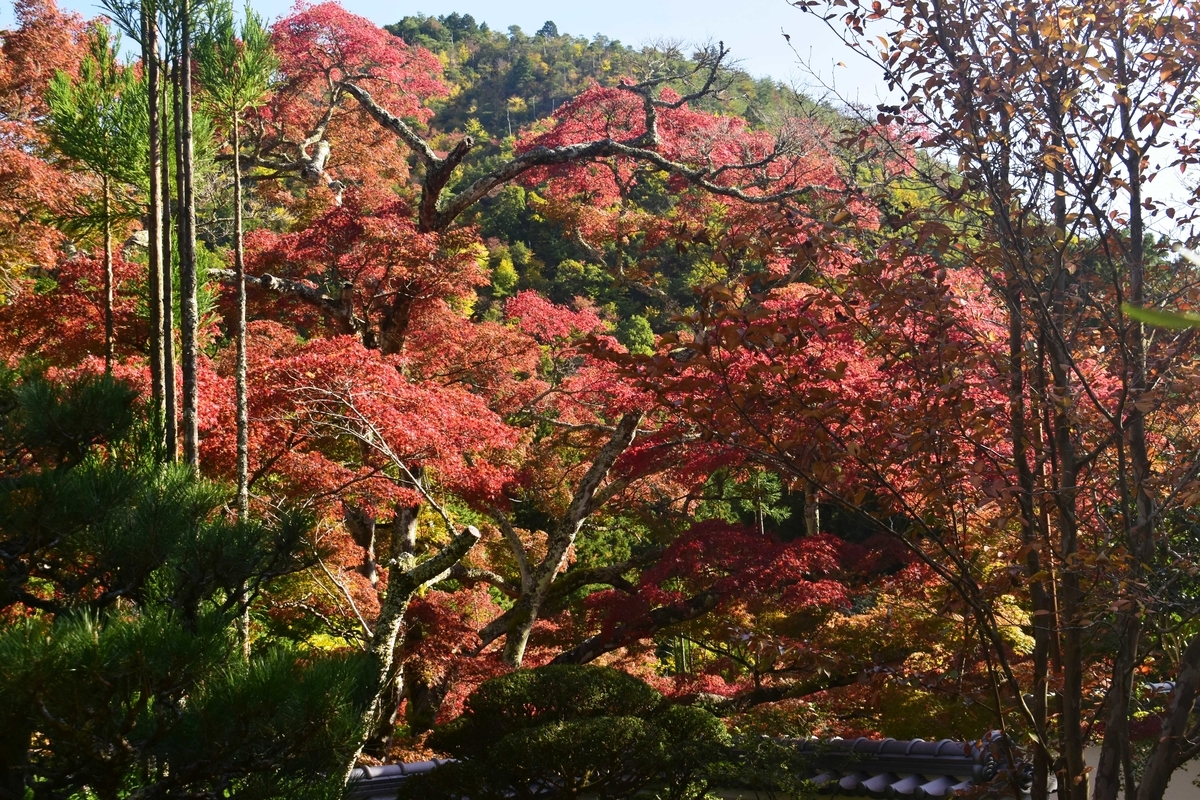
373 393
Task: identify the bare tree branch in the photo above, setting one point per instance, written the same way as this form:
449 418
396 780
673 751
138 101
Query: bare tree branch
518 549
471 575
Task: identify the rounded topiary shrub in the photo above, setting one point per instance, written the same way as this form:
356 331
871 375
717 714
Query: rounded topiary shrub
563 730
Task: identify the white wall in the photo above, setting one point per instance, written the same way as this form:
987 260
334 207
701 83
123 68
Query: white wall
1180 787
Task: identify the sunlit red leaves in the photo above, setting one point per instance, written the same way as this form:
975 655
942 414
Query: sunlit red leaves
45 41
864 382
372 259
319 46
332 415
59 320
724 144
494 360
31 187
547 322
598 200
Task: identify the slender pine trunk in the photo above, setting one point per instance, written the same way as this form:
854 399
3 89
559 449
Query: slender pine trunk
243 402
154 217
108 274
170 405
189 310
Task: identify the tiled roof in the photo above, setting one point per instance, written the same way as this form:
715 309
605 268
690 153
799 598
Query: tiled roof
875 768
910 768
382 783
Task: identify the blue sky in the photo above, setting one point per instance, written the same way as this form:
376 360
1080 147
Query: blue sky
751 28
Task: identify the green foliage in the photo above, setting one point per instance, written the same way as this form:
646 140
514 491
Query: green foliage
119 670
1162 319
123 702
908 713
236 68
99 123
766 762
752 497
55 425
575 278
543 71
504 275
574 729
529 698
634 332
506 212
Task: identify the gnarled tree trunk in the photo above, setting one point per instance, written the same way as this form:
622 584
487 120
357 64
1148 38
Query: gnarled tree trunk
527 608
405 579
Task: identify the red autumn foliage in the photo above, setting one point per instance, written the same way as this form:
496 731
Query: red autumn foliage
547 322
45 41
319 46
374 263
330 416
59 319
823 380
724 144
735 565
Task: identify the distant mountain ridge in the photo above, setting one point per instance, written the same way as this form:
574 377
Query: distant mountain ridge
506 80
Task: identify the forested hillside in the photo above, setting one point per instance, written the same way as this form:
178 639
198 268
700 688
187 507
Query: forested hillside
512 79
594 415
504 82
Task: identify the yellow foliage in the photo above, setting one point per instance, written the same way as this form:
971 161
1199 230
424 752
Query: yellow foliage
325 642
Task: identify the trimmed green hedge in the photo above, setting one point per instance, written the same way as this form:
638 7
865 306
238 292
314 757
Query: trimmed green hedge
574 730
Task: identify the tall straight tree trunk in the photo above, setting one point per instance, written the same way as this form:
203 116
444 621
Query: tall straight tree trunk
189 310
812 511
1066 496
1073 781
154 215
170 406
243 402
106 187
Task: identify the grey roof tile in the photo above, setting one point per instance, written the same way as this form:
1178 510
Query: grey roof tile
877 768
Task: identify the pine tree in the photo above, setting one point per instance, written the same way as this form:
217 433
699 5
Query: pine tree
189 283
118 674
236 71
100 122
